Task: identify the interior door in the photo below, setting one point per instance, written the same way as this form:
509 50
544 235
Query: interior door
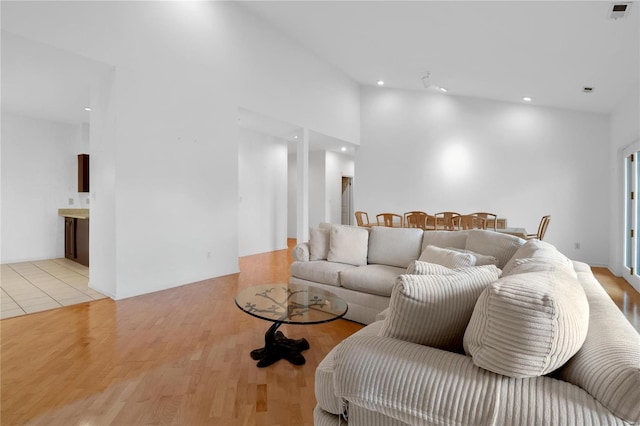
632 249
347 200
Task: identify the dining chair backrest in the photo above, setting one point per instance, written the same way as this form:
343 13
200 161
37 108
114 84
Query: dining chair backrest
544 223
444 220
388 219
490 218
406 214
469 221
362 218
416 220
542 228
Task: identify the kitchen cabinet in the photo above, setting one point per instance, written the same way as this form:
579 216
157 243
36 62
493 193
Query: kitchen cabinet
83 172
76 240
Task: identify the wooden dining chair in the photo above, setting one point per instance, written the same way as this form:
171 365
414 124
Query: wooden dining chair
491 219
362 219
469 221
542 229
406 215
416 220
430 223
444 220
388 219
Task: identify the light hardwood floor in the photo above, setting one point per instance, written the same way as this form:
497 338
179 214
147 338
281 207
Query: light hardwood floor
179 356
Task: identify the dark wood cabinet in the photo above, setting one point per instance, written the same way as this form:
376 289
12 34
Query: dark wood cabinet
83 172
70 238
76 240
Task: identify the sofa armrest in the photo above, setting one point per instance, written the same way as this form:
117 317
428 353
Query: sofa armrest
301 252
414 383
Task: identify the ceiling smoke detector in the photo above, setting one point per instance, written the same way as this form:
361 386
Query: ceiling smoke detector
619 10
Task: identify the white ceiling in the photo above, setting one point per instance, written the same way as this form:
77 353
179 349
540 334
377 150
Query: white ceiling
496 50
502 50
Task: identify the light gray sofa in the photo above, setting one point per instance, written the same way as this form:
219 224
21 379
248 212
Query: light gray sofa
542 345
365 281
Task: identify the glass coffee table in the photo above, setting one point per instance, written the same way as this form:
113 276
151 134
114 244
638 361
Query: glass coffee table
288 304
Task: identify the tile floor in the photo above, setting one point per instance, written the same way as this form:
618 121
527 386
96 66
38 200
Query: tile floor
29 287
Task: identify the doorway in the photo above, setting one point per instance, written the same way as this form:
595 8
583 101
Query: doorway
631 246
347 200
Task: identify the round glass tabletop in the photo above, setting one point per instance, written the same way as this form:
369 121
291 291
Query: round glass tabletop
291 303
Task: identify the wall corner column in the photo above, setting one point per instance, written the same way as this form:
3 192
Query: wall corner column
302 174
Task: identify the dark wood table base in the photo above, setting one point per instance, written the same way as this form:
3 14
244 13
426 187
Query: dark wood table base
277 346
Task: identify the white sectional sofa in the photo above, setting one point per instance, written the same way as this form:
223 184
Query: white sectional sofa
360 265
528 339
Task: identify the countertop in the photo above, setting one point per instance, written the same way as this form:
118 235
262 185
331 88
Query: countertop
75 213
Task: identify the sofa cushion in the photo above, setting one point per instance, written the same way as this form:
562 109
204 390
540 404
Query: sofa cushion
528 324
447 258
434 310
538 249
319 271
418 267
481 259
372 279
608 363
496 244
457 239
300 252
324 385
394 246
541 264
348 244
319 243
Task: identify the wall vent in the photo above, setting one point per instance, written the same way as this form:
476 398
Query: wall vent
587 89
619 10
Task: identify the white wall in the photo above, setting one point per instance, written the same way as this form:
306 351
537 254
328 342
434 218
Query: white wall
262 183
433 152
326 169
317 188
168 161
292 185
625 129
39 176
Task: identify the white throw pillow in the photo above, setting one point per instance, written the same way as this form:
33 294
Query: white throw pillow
348 244
319 243
457 239
541 264
445 257
434 310
418 267
491 243
537 249
528 325
394 246
481 259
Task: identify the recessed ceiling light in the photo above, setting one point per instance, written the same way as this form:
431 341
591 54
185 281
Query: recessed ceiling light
527 99
295 137
380 83
443 89
87 109
344 148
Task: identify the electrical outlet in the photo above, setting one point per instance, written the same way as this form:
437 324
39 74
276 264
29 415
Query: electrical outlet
577 246
70 201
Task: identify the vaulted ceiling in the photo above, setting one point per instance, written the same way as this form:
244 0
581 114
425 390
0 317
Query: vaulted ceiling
503 50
